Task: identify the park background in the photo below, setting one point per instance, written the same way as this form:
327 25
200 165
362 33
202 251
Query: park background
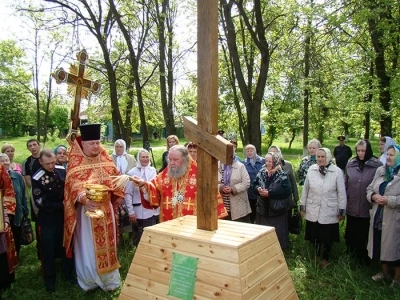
289 71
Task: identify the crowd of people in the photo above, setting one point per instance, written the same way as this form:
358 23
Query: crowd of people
83 230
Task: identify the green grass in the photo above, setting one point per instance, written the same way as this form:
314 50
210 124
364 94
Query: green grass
340 280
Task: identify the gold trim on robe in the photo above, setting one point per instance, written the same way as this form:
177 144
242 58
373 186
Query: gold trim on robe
80 171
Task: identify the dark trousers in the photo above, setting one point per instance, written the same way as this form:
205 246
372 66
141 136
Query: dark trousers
253 207
137 228
51 247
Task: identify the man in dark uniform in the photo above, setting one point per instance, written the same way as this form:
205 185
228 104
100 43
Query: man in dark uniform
48 194
342 153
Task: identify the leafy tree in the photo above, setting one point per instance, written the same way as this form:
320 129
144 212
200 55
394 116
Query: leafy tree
15 108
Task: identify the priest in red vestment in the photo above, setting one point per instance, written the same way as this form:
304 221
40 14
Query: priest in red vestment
174 190
92 240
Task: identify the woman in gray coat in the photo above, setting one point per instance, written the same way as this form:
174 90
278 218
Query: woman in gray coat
323 204
384 234
359 173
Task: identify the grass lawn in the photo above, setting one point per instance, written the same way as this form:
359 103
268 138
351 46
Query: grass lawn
340 280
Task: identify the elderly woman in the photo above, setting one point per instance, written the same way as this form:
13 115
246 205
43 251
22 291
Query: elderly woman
61 155
384 143
10 151
121 159
233 184
359 173
172 140
21 208
384 235
308 160
139 215
272 186
253 164
323 204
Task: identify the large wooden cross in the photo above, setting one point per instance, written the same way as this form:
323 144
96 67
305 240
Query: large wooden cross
78 84
211 147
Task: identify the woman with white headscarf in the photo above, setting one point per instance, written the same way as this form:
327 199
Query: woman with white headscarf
323 204
384 143
140 216
121 159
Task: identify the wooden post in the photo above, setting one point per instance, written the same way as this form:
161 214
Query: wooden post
207 111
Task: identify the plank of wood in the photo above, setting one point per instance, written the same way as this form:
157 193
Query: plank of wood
216 265
253 267
257 245
215 145
217 236
279 284
163 267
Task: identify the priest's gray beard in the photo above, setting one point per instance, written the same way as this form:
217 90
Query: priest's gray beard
177 172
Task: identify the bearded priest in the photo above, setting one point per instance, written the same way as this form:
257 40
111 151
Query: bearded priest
174 189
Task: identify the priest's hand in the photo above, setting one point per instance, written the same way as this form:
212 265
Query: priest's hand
92 205
137 180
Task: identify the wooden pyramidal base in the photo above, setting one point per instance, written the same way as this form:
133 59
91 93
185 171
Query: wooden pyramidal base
237 261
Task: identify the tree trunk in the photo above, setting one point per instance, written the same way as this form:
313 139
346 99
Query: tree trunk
306 93
368 100
252 93
165 73
377 33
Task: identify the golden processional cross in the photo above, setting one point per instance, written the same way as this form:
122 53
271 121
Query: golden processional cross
78 85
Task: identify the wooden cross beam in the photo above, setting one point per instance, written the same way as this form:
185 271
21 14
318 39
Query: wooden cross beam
78 84
211 147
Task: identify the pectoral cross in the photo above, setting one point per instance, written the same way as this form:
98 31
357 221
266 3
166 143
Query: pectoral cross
78 84
211 147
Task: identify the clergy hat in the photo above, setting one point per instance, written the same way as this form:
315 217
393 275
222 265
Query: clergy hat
221 132
90 132
341 138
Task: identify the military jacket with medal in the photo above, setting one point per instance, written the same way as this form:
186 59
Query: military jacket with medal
48 194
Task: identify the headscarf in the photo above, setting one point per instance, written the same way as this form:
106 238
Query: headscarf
279 152
389 175
389 142
144 170
59 146
391 171
276 163
368 154
55 152
121 161
323 169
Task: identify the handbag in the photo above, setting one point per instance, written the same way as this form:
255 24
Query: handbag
277 207
27 236
123 216
295 222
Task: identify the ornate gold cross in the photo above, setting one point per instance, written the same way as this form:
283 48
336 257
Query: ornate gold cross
78 84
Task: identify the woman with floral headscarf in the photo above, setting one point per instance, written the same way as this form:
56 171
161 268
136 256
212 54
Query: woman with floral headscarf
384 143
384 235
323 204
272 184
121 159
